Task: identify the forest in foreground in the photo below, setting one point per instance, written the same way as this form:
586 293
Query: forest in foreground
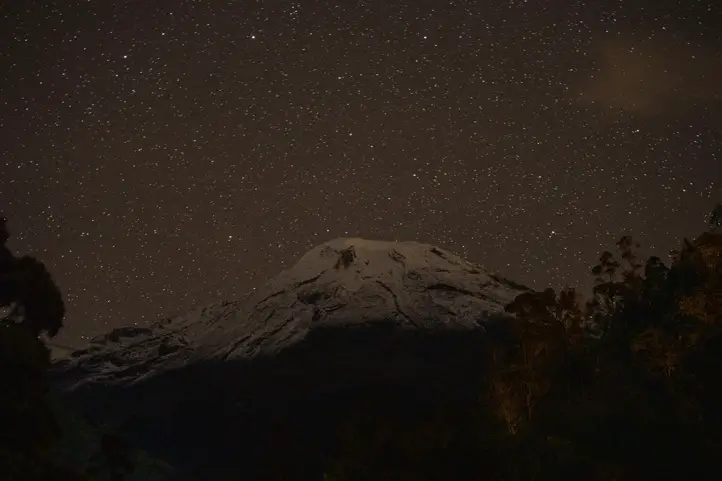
618 384
623 386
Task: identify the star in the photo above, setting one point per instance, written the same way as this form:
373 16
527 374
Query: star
156 162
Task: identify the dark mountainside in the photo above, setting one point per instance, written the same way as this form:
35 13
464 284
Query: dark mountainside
373 360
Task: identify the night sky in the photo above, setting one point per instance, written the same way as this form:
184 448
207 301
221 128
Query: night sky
162 155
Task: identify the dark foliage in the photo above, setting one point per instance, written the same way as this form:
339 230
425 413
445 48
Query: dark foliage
28 427
715 219
27 285
622 387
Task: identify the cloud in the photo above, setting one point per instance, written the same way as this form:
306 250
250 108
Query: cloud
652 76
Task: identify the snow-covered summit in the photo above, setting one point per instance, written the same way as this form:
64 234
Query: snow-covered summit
342 283
354 281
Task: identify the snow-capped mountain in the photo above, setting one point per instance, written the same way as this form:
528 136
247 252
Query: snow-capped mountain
351 312
346 282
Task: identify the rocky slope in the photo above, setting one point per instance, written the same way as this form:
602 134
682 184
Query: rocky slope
349 316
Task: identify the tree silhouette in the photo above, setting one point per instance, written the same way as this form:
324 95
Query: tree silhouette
28 428
39 297
715 219
27 286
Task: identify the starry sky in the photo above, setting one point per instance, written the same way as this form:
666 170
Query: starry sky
163 155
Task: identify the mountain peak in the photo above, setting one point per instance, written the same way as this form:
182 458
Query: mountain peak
353 260
345 283
357 282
